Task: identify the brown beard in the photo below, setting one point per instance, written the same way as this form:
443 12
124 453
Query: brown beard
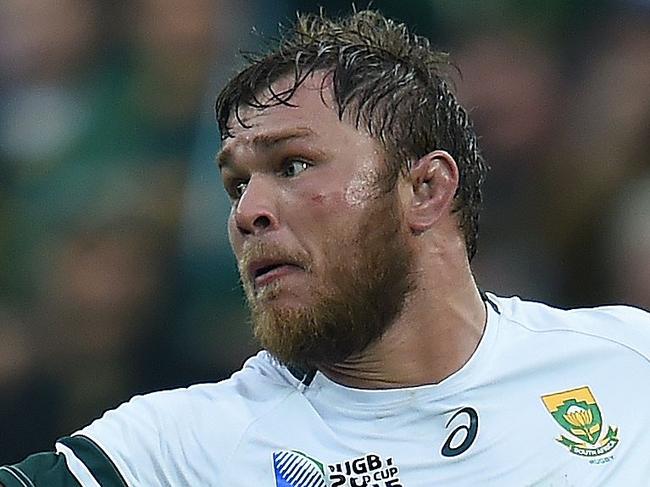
357 302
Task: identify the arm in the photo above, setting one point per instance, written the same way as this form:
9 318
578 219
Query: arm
124 447
38 469
77 462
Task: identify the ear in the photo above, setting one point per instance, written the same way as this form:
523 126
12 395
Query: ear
433 182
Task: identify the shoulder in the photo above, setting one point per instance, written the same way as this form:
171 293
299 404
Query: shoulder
150 438
625 326
246 394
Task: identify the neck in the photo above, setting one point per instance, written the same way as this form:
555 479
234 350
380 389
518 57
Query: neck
435 335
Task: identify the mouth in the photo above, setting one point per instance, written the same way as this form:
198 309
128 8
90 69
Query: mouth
264 272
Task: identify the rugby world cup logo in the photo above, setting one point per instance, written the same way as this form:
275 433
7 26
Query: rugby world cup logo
578 413
295 469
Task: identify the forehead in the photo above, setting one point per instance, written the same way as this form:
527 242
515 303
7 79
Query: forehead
313 99
312 113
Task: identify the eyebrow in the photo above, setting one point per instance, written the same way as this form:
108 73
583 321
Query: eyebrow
266 141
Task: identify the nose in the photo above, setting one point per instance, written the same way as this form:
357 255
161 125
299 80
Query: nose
256 211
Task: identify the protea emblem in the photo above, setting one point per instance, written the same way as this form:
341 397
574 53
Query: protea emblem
578 413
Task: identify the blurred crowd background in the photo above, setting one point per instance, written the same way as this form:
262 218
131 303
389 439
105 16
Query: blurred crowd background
115 273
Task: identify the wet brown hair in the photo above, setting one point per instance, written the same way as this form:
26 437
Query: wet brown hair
389 81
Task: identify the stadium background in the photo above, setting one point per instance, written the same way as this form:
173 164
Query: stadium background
115 272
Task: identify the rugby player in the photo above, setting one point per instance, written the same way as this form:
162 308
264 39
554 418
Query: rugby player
355 181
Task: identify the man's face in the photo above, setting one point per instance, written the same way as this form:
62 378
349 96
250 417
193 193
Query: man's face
321 248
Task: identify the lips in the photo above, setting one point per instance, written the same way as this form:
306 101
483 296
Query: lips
263 272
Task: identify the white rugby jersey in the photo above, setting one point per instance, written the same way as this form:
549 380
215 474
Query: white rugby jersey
550 397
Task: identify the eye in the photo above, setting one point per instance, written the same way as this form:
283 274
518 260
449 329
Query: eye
237 188
293 167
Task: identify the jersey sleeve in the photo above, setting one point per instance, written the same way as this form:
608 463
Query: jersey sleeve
135 438
122 448
183 437
631 327
77 462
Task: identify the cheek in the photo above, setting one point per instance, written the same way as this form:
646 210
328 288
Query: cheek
318 199
326 216
316 216
234 237
314 196
363 188
322 206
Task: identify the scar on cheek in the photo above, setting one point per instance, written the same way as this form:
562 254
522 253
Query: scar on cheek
363 187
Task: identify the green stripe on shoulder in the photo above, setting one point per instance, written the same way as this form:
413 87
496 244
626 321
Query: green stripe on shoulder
48 469
10 478
95 459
